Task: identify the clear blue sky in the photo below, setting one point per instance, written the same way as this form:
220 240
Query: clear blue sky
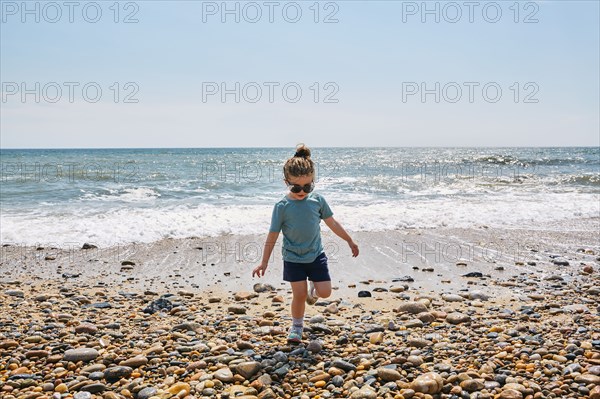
371 57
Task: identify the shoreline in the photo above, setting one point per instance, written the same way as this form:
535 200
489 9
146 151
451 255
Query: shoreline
81 329
437 259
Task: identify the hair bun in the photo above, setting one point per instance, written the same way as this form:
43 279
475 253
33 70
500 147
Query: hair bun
302 151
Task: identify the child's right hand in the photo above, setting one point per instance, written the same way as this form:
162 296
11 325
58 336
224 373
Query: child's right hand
259 271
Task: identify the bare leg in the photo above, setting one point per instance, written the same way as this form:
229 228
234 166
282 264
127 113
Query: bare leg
299 292
323 288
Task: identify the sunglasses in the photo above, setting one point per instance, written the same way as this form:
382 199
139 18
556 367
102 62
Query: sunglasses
295 188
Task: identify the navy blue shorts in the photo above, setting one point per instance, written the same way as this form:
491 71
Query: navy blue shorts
315 271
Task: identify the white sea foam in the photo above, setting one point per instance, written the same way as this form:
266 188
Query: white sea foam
109 226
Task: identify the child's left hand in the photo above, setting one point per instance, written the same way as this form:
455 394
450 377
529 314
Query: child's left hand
353 248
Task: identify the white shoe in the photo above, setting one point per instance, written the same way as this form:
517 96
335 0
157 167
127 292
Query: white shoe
312 297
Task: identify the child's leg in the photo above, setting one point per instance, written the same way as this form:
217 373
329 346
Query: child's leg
299 292
323 288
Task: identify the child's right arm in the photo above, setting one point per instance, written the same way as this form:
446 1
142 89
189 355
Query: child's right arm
269 245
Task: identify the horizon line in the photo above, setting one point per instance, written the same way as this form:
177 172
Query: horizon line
278 147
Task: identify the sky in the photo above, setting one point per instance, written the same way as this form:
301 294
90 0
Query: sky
107 74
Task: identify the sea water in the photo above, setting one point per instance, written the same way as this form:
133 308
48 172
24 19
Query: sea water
118 196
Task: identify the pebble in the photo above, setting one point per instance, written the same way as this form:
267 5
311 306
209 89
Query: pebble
456 344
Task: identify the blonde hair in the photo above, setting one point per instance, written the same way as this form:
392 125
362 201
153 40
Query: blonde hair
300 164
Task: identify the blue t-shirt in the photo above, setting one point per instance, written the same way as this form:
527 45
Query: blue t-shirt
299 220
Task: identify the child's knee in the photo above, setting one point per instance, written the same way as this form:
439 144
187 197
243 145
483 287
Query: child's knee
300 296
324 292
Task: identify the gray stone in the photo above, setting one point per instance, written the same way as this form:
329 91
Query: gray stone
86 328
223 375
247 369
414 323
457 318
412 308
114 374
418 343
314 346
146 393
81 354
452 298
473 295
94 388
237 309
343 365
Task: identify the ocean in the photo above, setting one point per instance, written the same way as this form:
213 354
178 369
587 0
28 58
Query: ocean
118 196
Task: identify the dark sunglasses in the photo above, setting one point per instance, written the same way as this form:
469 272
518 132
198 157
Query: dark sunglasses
295 188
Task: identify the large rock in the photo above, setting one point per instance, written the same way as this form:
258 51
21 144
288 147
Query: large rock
114 374
343 365
86 328
247 369
428 383
262 287
244 295
588 379
510 394
237 309
457 318
146 393
80 355
136 361
223 375
412 308
366 392
452 298
472 385
387 374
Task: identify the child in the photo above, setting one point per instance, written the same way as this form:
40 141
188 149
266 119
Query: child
298 215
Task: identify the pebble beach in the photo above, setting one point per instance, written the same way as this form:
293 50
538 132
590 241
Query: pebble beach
514 330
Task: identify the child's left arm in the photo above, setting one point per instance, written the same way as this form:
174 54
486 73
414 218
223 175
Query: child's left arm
337 228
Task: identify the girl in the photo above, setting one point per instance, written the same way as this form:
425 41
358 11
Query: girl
298 215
